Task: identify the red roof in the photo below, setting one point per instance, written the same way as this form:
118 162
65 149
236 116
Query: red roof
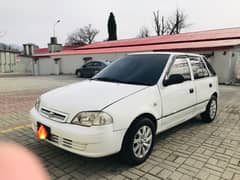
220 34
45 50
161 47
222 38
41 50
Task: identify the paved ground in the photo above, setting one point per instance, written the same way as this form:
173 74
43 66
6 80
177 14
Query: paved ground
193 150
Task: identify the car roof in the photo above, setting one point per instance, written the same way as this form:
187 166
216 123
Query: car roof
102 61
170 53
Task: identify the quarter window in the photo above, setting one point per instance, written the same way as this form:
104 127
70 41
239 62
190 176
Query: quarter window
180 66
199 68
210 68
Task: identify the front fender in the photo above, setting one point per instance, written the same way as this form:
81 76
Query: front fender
128 109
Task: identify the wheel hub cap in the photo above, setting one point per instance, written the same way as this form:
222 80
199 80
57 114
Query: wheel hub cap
142 141
213 109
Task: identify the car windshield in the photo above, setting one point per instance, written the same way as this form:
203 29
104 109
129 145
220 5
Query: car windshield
141 69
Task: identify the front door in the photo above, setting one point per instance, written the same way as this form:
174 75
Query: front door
178 100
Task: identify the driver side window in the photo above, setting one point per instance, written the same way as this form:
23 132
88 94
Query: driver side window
180 67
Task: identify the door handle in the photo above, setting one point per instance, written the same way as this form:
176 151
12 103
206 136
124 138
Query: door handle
191 90
210 85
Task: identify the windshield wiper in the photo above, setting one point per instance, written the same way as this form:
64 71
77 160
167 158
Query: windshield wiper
139 83
107 79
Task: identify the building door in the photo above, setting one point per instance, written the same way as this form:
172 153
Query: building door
57 66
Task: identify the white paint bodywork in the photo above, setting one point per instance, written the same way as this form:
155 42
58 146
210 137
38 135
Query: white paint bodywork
168 105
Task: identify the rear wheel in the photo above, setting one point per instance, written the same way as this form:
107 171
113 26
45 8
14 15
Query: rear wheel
138 141
211 111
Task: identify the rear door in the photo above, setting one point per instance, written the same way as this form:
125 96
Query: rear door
178 100
98 66
204 83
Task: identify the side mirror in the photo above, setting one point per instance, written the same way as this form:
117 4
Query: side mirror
174 79
84 66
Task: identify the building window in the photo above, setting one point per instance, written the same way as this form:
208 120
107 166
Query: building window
35 61
56 60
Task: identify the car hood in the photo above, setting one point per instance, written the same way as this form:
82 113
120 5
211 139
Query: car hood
87 95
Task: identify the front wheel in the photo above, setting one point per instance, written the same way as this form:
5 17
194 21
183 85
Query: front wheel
78 74
211 111
138 141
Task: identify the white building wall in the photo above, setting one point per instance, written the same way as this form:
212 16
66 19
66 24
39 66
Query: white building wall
24 64
46 66
2 62
69 64
7 61
7 66
236 70
222 63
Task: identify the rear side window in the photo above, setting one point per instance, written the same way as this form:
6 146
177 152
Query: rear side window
199 68
97 64
180 66
210 68
90 64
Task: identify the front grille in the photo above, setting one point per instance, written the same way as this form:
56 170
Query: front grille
53 115
55 139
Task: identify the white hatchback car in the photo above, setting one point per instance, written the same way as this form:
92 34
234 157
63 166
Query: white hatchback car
124 106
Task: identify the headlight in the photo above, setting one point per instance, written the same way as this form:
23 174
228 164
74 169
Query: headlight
37 104
92 119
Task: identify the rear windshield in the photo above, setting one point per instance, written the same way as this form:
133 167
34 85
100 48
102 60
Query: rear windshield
144 69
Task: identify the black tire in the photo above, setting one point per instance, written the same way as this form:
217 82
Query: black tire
207 116
78 73
127 153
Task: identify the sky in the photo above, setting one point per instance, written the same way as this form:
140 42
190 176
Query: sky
31 21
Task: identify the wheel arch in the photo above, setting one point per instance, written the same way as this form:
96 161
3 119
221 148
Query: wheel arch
215 94
148 115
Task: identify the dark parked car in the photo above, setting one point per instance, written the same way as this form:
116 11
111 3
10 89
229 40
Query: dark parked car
91 68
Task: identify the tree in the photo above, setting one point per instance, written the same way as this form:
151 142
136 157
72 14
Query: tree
112 28
144 32
157 23
82 36
177 23
160 25
173 25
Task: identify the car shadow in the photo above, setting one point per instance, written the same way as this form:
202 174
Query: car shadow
56 158
196 121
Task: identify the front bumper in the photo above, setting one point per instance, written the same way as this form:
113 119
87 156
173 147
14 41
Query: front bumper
85 141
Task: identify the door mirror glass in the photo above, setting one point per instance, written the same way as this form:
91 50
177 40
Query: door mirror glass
174 79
